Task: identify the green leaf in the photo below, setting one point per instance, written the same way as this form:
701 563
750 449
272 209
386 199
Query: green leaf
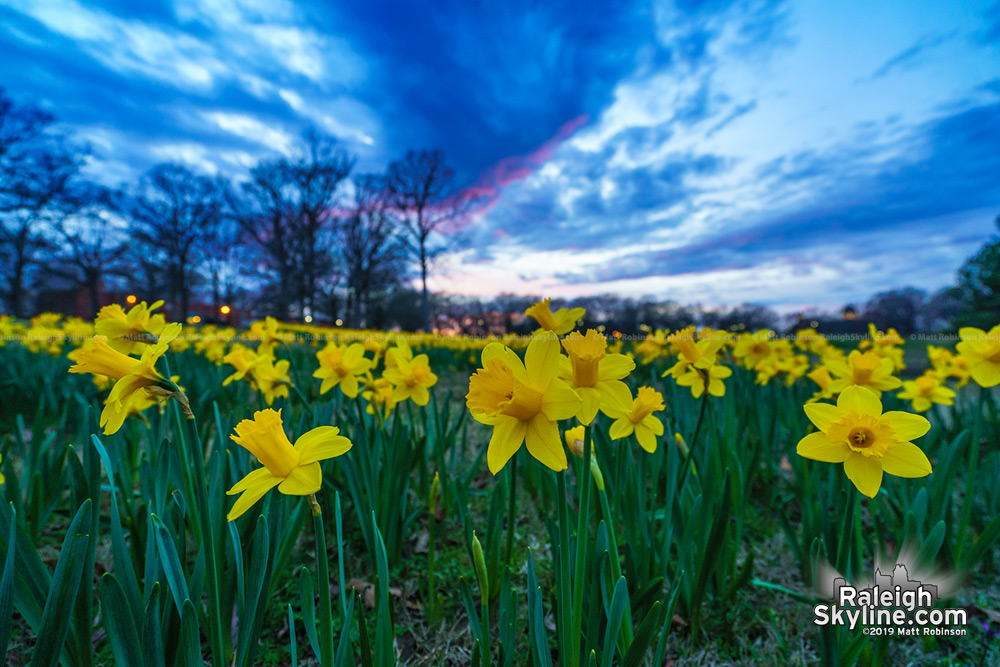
62 594
385 654
171 563
619 600
7 587
308 596
258 573
190 639
636 655
119 623
124 570
152 634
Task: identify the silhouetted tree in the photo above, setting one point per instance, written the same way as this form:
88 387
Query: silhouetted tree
37 166
90 244
371 252
428 202
979 287
898 308
288 209
173 212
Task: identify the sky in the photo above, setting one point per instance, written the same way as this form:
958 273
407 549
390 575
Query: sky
792 154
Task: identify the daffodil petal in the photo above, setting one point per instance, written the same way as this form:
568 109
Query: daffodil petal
544 443
251 496
862 399
614 367
906 426
865 472
303 480
646 437
253 478
824 414
616 398
819 447
905 459
622 428
508 434
560 401
541 360
321 443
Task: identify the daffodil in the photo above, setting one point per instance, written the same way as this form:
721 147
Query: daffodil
560 322
639 419
594 374
821 376
266 332
341 366
411 378
378 393
652 346
294 469
130 374
887 345
855 432
522 402
696 366
982 350
129 332
926 390
751 349
864 369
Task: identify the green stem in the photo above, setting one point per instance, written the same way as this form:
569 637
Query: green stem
689 459
564 592
582 540
325 613
207 535
511 510
616 566
970 489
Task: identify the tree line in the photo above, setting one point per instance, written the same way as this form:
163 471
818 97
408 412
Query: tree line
300 237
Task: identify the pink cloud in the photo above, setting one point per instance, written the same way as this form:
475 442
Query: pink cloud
487 190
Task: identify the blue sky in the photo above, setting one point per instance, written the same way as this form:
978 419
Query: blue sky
792 154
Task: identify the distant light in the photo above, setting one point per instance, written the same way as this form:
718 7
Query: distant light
225 310
814 324
131 298
308 319
339 322
481 322
195 319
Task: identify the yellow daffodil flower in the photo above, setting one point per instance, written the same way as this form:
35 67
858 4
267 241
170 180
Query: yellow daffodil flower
595 375
130 374
927 390
982 350
129 332
294 469
696 366
639 419
522 402
856 433
560 322
864 369
341 366
411 378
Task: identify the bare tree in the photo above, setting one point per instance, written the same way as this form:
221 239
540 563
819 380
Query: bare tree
173 212
37 166
91 244
372 254
424 194
289 210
